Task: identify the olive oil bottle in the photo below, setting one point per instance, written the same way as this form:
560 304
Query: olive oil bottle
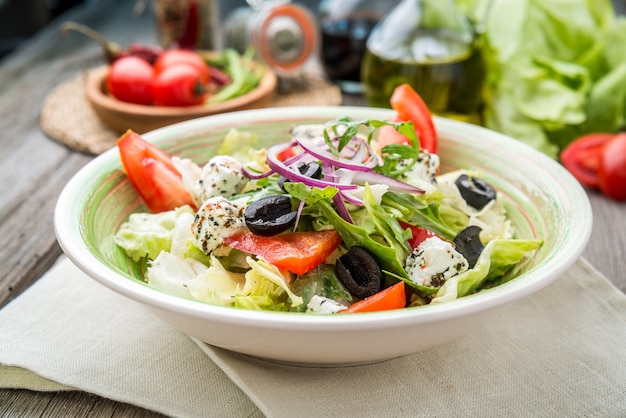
431 46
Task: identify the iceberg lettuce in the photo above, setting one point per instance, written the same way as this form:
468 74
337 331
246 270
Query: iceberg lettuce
147 234
496 259
557 69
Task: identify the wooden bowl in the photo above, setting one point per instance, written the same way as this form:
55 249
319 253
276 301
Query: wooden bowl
121 116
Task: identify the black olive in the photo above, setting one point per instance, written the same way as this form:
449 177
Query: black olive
312 169
358 271
475 191
468 243
270 215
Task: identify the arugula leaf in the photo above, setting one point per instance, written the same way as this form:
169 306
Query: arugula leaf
388 226
320 281
352 128
423 215
351 234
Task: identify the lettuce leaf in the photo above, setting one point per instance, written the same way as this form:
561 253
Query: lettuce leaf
147 234
388 256
171 274
496 259
556 70
262 287
320 281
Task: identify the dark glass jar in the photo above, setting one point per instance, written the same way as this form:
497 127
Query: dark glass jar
345 26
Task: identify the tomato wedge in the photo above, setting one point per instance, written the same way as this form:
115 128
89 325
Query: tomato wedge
298 252
419 234
152 173
410 107
387 135
612 168
393 297
582 157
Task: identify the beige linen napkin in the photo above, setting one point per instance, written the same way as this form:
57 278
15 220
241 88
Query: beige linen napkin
559 353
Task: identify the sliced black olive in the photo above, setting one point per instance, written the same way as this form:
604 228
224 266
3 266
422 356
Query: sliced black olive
468 243
312 169
475 191
270 215
358 271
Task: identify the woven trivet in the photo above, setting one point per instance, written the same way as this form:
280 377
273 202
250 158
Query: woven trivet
67 116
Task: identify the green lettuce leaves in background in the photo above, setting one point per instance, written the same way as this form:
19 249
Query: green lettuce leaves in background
557 69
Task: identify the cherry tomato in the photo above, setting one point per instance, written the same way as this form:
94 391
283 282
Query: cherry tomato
410 107
612 167
130 80
582 156
178 56
178 85
418 234
152 173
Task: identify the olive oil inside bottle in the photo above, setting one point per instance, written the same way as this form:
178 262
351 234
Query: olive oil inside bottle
446 70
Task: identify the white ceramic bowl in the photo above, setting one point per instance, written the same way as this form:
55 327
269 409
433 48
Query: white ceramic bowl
543 201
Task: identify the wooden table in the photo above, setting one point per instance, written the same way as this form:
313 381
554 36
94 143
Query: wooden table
35 168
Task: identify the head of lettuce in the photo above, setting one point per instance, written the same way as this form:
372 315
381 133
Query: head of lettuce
557 69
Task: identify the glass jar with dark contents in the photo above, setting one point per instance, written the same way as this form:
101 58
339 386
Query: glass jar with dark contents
190 24
345 26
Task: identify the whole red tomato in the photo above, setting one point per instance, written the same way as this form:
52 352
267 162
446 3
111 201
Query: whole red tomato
612 168
582 157
599 160
178 85
178 56
130 80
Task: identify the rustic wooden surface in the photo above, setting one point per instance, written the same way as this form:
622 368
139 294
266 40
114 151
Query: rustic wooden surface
35 169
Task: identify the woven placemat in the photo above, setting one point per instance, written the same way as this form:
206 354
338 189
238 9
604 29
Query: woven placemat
68 117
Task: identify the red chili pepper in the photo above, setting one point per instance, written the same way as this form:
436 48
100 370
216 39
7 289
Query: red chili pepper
111 50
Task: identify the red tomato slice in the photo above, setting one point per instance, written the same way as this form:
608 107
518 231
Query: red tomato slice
286 153
410 107
612 168
419 234
387 135
393 297
582 157
152 173
297 252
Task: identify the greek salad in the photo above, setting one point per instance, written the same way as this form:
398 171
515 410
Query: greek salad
350 216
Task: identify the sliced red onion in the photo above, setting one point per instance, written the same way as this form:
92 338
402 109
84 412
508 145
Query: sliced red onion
256 176
294 175
341 208
298 214
372 177
348 197
321 151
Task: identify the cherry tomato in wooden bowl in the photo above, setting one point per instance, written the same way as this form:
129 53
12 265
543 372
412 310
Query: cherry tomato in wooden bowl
121 115
179 84
172 57
130 80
